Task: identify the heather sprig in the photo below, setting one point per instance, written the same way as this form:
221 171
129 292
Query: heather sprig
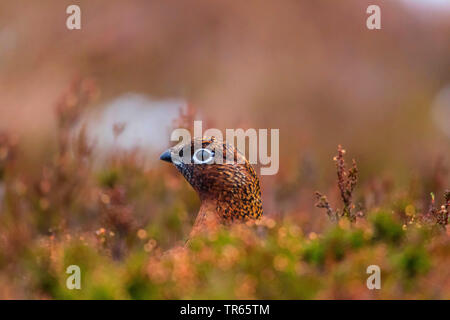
347 180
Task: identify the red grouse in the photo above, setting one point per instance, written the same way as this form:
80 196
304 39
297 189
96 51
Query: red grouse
229 192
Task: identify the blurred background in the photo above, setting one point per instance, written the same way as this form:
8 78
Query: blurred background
137 68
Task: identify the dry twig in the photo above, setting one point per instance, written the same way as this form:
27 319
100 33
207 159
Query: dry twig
347 180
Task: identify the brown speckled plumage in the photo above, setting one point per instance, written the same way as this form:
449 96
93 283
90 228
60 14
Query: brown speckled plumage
229 192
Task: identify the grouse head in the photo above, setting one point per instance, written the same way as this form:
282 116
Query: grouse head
222 177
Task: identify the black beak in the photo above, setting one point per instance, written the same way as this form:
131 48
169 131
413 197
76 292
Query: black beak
165 156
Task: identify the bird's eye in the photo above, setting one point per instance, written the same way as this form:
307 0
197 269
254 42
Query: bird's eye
202 156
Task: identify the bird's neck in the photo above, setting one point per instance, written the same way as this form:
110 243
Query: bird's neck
228 208
207 219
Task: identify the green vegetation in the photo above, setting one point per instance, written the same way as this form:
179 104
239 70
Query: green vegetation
125 227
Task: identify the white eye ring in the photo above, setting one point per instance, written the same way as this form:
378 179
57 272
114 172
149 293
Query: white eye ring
209 156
